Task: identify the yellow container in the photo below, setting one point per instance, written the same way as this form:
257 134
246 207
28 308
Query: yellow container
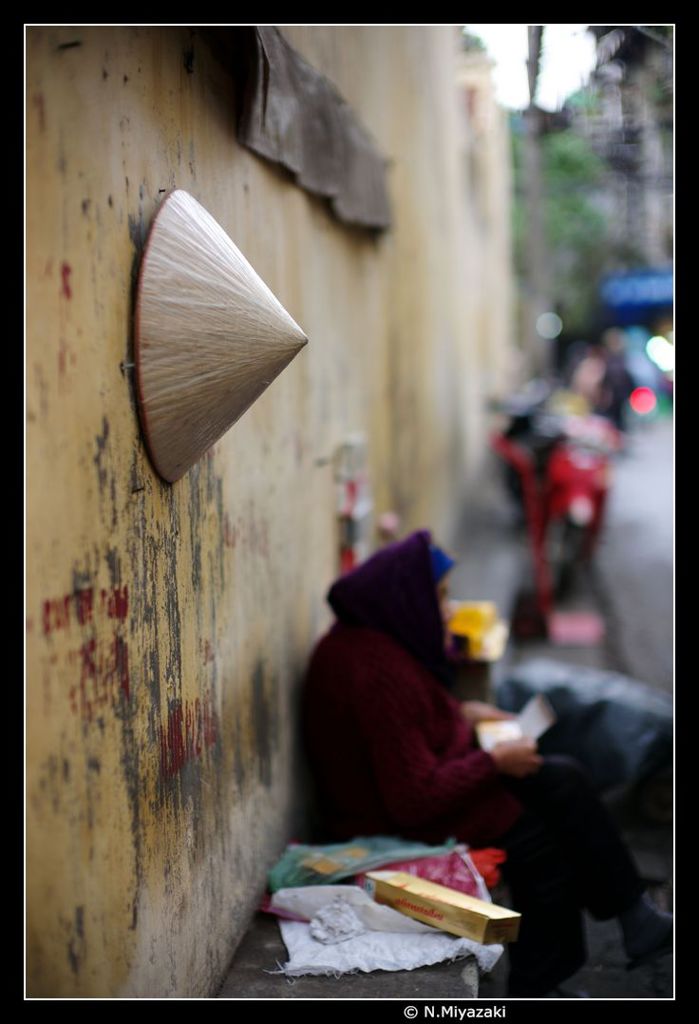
472 620
444 908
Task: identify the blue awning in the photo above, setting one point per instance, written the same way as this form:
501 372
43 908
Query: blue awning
634 295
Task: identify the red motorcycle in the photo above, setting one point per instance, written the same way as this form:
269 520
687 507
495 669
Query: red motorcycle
559 470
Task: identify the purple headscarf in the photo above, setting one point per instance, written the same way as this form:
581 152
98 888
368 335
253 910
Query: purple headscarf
394 591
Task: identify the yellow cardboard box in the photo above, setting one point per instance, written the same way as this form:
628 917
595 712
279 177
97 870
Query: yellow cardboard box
452 911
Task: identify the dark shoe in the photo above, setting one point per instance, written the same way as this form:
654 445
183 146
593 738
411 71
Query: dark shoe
568 993
662 949
647 932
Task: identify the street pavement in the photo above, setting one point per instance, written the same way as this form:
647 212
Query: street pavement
630 584
634 562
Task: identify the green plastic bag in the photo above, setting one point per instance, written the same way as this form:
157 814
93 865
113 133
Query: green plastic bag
324 865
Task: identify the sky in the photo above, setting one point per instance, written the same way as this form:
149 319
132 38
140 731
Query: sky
568 57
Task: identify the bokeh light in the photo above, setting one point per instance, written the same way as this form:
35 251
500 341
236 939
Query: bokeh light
549 325
661 352
643 401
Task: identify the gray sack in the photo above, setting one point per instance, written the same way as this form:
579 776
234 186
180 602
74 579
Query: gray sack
618 728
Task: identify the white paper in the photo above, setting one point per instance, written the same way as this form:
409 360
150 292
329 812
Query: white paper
536 717
532 722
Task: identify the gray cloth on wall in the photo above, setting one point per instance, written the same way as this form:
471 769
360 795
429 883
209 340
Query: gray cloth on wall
294 116
618 728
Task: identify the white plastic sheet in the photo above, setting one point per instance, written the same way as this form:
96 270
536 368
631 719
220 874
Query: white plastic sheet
309 900
415 945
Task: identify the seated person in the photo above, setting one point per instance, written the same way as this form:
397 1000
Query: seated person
395 754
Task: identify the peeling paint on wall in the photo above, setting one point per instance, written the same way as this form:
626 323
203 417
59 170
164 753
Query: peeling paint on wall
191 728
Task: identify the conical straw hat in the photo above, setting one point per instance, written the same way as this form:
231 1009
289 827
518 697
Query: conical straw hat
209 335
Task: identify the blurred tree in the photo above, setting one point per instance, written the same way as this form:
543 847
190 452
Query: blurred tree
576 226
606 173
471 42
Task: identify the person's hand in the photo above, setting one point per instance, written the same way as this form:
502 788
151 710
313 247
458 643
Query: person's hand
517 757
475 711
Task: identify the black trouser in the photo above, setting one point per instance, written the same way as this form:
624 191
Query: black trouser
563 854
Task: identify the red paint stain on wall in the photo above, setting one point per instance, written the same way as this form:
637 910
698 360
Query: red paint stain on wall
83 605
88 668
191 728
56 614
66 271
116 602
56 611
172 745
84 696
207 651
101 662
104 674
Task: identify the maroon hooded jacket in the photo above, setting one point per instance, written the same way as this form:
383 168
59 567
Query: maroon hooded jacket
390 748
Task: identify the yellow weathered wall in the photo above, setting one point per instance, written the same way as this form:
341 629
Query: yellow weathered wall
168 626
487 168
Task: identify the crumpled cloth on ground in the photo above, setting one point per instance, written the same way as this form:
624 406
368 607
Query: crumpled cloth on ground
336 923
377 951
415 945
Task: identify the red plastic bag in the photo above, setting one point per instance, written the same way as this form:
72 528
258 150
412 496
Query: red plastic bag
486 862
450 869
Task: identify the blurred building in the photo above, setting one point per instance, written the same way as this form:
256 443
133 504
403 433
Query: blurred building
487 176
628 118
168 626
